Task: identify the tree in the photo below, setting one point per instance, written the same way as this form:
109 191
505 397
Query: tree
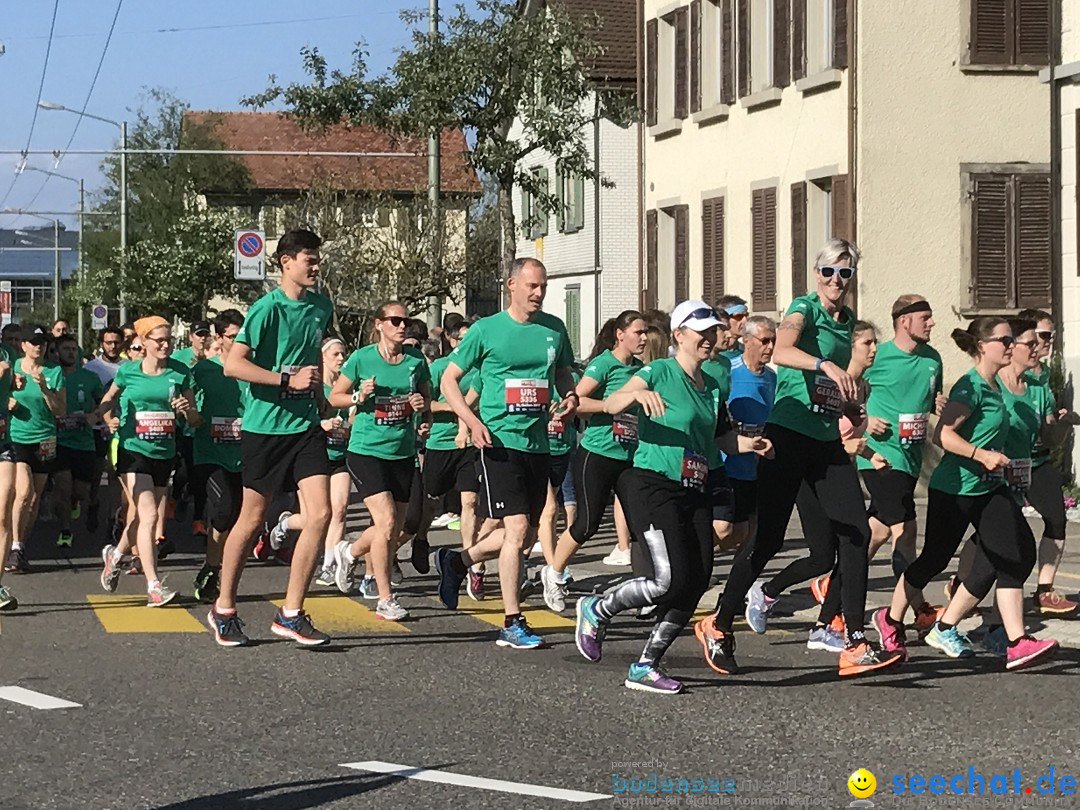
479 75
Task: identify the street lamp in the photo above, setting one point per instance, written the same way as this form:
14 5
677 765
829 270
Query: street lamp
56 258
52 105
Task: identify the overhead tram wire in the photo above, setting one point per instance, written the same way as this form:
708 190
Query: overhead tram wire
41 86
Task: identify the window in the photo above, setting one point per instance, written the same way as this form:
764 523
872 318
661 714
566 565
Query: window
712 249
818 213
534 219
668 67
570 191
763 218
763 45
819 35
667 256
1009 32
1010 233
573 317
712 71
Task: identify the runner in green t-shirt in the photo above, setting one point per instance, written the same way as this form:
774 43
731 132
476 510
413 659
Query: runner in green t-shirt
276 351
184 484
524 356
147 396
76 459
16 562
968 488
607 447
563 447
387 383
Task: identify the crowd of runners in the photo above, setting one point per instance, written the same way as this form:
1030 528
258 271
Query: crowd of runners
676 428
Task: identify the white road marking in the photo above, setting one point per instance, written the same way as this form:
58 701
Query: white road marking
444 778
35 700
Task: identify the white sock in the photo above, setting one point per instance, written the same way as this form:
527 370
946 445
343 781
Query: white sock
328 558
16 545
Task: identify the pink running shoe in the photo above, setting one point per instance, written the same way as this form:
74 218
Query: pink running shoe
1027 650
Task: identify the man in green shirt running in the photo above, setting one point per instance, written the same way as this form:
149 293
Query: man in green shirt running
523 355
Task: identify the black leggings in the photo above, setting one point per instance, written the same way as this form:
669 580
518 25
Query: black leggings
820 537
223 492
595 477
1045 494
1004 545
675 525
833 483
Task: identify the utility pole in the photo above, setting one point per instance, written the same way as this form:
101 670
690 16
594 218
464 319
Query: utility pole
123 218
56 270
82 210
434 314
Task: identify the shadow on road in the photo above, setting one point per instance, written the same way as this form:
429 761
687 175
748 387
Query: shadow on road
287 795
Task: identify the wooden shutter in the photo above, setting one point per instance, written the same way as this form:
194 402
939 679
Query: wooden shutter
727 52
712 249
681 214
798 239
695 56
991 32
990 242
1077 141
682 62
526 214
652 48
649 298
798 39
1031 207
1033 31
579 202
763 218
841 219
540 216
743 47
781 43
560 196
839 59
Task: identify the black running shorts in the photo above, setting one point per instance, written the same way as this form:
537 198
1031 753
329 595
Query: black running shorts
273 461
512 482
374 475
892 495
80 463
450 471
745 499
159 469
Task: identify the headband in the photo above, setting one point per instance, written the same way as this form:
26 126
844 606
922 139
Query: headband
330 342
917 306
736 309
144 326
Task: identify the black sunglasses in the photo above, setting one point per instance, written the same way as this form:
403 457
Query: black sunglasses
1045 336
845 273
1004 340
395 320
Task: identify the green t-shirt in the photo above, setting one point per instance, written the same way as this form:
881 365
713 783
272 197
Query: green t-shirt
1038 391
606 435
562 435
903 387
986 427
1027 415
284 335
31 420
147 419
444 425
680 444
220 401
186 356
84 392
384 427
337 439
808 402
517 363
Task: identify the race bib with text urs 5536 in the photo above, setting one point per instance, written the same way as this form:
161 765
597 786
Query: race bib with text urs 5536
527 396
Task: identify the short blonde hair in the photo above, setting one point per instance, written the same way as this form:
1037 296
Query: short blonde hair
835 250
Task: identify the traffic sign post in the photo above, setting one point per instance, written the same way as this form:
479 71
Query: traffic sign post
249 262
99 317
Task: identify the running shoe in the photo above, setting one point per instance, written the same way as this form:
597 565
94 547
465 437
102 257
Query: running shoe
134 568
647 678
262 551
519 636
76 511
926 616
7 601
110 572
17 562
298 628
454 525
207 584
826 639
396 575
227 627
819 587
554 589
345 575
391 610
995 642
421 548
369 588
281 528
198 528
159 594
165 547
326 574
474 585
893 636
283 556
63 539
442 520
865 656
590 631
719 647
93 517
952 641
1053 602
449 579
620 558
758 607
1027 650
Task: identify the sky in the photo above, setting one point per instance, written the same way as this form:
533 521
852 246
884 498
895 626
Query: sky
209 54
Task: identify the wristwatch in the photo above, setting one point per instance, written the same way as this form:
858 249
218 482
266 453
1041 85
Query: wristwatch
285 377
818 364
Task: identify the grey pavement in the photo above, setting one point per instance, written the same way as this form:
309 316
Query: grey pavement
169 720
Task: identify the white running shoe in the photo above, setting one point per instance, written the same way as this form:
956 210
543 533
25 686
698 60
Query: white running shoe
443 520
554 589
277 534
391 610
618 557
344 576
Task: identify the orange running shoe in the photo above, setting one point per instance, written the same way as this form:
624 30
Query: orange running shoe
198 528
819 587
838 625
719 647
865 656
925 616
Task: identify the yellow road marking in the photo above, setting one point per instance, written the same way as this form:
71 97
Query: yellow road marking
335 611
129 614
1067 574
492 612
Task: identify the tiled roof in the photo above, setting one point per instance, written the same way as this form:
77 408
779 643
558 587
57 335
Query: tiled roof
616 36
275 131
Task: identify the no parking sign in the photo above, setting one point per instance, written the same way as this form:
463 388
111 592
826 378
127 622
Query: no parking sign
250 252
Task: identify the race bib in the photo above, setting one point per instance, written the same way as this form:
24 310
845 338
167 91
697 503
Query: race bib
47 449
288 393
556 428
695 470
338 435
911 428
393 410
753 431
225 429
154 425
825 397
527 396
1018 474
624 428
71 421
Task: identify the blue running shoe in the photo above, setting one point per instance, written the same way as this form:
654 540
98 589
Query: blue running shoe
590 630
825 639
519 636
953 642
298 628
647 678
449 580
227 627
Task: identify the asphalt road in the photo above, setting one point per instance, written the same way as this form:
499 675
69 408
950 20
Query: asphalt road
166 719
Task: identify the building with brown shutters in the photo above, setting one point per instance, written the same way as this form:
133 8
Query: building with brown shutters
591 244
917 129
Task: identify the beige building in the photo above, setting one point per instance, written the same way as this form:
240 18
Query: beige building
917 129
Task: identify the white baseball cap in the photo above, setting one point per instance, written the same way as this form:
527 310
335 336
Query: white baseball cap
697 315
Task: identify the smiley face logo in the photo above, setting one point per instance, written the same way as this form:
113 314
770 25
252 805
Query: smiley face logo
862 784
